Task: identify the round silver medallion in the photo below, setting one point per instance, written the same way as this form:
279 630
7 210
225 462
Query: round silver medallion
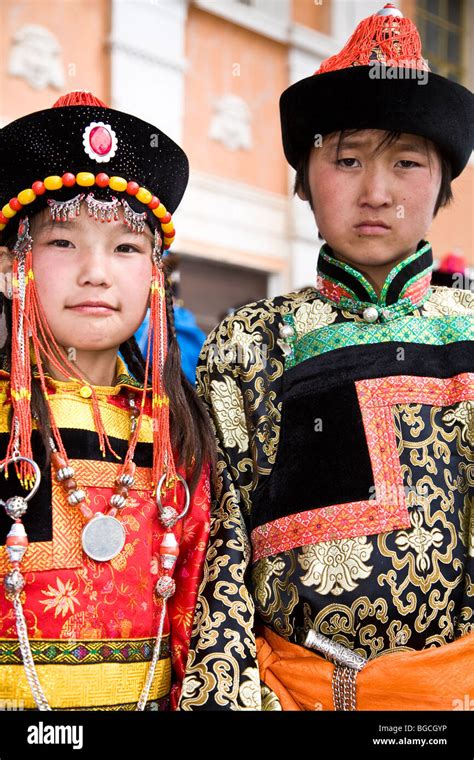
103 537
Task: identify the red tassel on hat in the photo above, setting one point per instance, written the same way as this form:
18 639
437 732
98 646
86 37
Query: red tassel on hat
163 460
386 37
20 376
78 98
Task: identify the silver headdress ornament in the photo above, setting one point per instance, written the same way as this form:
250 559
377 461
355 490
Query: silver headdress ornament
102 211
135 220
63 211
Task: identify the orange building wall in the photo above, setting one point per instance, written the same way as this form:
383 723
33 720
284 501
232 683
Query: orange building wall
216 50
312 14
454 225
80 26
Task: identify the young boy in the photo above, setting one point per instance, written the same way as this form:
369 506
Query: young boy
343 524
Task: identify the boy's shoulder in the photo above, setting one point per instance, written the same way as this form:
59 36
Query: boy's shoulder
444 301
266 315
258 323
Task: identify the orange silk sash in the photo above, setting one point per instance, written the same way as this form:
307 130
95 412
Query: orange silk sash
438 678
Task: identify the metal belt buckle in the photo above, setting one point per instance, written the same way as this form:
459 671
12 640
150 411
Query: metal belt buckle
347 665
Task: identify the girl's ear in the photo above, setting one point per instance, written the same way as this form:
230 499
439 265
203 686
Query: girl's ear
6 259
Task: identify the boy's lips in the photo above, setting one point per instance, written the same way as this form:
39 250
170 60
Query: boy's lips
372 227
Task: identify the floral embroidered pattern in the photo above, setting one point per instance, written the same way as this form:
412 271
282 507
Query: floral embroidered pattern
226 398
420 540
334 567
63 598
311 316
366 591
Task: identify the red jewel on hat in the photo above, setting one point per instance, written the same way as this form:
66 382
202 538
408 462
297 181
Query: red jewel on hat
100 141
133 188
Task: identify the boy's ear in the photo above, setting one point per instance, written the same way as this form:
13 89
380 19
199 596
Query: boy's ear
300 193
6 259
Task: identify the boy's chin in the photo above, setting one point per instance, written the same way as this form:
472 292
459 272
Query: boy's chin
373 253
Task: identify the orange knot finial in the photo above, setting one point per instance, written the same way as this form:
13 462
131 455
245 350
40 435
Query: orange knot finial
78 98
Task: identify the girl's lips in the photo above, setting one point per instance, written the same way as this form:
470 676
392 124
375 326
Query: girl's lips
98 311
371 229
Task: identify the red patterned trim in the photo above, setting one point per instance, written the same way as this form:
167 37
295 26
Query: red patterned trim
388 511
332 290
408 389
417 289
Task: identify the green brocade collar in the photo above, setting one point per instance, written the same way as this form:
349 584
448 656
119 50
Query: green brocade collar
406 287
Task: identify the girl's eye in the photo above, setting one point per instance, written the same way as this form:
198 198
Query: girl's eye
406 161
60 243
131 248
341 161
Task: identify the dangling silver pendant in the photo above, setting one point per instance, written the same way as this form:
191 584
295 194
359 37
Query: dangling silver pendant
135 220
63 211
103 537
102 211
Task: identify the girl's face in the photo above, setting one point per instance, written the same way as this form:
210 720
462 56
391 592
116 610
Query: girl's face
395 186
84 260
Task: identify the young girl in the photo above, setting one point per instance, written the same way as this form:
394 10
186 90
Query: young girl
105 460
340 569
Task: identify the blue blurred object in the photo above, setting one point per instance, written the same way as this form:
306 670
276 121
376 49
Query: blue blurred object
190 339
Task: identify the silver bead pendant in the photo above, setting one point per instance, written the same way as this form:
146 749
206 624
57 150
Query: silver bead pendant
15 507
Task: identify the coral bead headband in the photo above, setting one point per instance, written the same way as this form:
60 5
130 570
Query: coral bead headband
88 179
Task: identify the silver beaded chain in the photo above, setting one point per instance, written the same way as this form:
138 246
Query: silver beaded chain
14 582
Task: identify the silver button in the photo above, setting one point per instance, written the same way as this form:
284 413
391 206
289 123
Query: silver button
370 314
286 331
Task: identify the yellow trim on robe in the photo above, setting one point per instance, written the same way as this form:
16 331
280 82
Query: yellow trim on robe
83 686
71 410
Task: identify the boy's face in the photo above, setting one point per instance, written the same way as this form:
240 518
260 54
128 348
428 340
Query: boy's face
87 260
395 186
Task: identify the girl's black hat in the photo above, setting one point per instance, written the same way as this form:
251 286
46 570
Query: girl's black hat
80 137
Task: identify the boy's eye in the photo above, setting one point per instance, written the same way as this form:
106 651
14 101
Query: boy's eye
342 161
406 161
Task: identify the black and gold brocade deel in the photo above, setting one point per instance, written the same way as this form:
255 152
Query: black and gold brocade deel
345 480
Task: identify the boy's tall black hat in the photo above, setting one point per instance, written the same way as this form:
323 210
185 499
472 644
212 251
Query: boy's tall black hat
79 134
379 80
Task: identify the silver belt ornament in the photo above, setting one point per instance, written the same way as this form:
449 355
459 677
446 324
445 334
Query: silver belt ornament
347 665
